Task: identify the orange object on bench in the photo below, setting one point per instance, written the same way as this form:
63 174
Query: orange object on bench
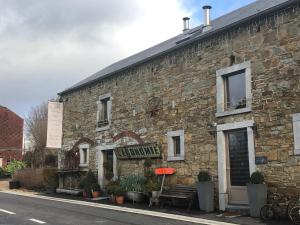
165 171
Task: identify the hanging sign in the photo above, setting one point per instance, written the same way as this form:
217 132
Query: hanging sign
140 151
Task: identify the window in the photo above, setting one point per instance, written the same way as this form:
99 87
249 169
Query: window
84 155
175 145
104 112
234 90
296 128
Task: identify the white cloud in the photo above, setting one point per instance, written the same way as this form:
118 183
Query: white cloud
46 46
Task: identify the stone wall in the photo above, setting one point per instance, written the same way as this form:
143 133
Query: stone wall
183 83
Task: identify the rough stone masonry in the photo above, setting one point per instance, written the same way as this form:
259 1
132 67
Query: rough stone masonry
182 84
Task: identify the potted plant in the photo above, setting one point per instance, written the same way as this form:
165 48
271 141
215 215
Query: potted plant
119 194
96 191
87 184
205 188
111 193
257 193
152 187
133 185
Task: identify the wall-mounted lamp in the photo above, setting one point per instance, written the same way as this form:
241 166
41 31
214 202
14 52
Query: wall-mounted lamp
212 128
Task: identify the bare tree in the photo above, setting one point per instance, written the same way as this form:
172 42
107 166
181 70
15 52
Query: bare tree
36 129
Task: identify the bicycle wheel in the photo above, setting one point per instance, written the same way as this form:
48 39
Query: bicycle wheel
294 214
292 204
266 212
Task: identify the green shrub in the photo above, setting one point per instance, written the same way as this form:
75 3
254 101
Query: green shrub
257 178
95 187
3 173
118 191
152 185
14 166
88 182
204 176
133 183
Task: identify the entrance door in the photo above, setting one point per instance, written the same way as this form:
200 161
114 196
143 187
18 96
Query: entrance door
238 166
108 164
1 162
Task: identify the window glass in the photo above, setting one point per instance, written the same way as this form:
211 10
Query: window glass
236 90
176 143
238 157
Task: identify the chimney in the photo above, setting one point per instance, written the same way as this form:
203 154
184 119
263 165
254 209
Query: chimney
207 25
186 24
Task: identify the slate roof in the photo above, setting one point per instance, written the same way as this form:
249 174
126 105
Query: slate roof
238 16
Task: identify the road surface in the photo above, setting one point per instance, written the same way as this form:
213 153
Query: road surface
23 210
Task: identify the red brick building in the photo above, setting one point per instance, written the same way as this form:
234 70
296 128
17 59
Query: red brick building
11 136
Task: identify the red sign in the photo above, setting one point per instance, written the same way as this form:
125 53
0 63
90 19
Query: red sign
165 171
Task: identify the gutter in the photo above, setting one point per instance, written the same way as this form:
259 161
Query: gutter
184 44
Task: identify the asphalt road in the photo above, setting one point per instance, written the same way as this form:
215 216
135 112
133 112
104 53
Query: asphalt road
19 210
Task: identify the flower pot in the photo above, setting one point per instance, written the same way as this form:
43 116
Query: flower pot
14 184
155 194
96 194
206 196
257 195
135 196
119 200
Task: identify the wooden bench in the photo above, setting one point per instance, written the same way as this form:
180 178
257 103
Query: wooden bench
180 192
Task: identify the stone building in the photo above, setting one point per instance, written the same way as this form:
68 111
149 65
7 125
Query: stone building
11 136
222 97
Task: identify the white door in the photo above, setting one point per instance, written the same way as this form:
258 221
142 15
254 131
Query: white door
1 162
238 171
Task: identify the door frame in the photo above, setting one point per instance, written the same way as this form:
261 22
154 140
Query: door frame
100 150
222 156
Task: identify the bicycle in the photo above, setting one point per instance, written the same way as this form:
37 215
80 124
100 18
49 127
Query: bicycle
275 210
294 211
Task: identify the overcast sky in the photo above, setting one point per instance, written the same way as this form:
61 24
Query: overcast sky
49 45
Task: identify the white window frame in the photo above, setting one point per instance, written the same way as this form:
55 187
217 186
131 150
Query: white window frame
222 158
296 130
109 114
81 147
171 153
221 89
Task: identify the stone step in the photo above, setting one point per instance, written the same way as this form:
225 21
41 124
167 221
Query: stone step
243 210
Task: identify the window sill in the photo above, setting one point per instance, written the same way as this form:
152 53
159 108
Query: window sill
98 129
175 158
83 165
233 112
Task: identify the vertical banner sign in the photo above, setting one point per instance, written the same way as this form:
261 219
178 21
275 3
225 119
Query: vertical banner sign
54 124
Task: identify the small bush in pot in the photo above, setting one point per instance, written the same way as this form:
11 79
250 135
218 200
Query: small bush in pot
257 193
153 187
119 194
96 191
87 183
205 189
